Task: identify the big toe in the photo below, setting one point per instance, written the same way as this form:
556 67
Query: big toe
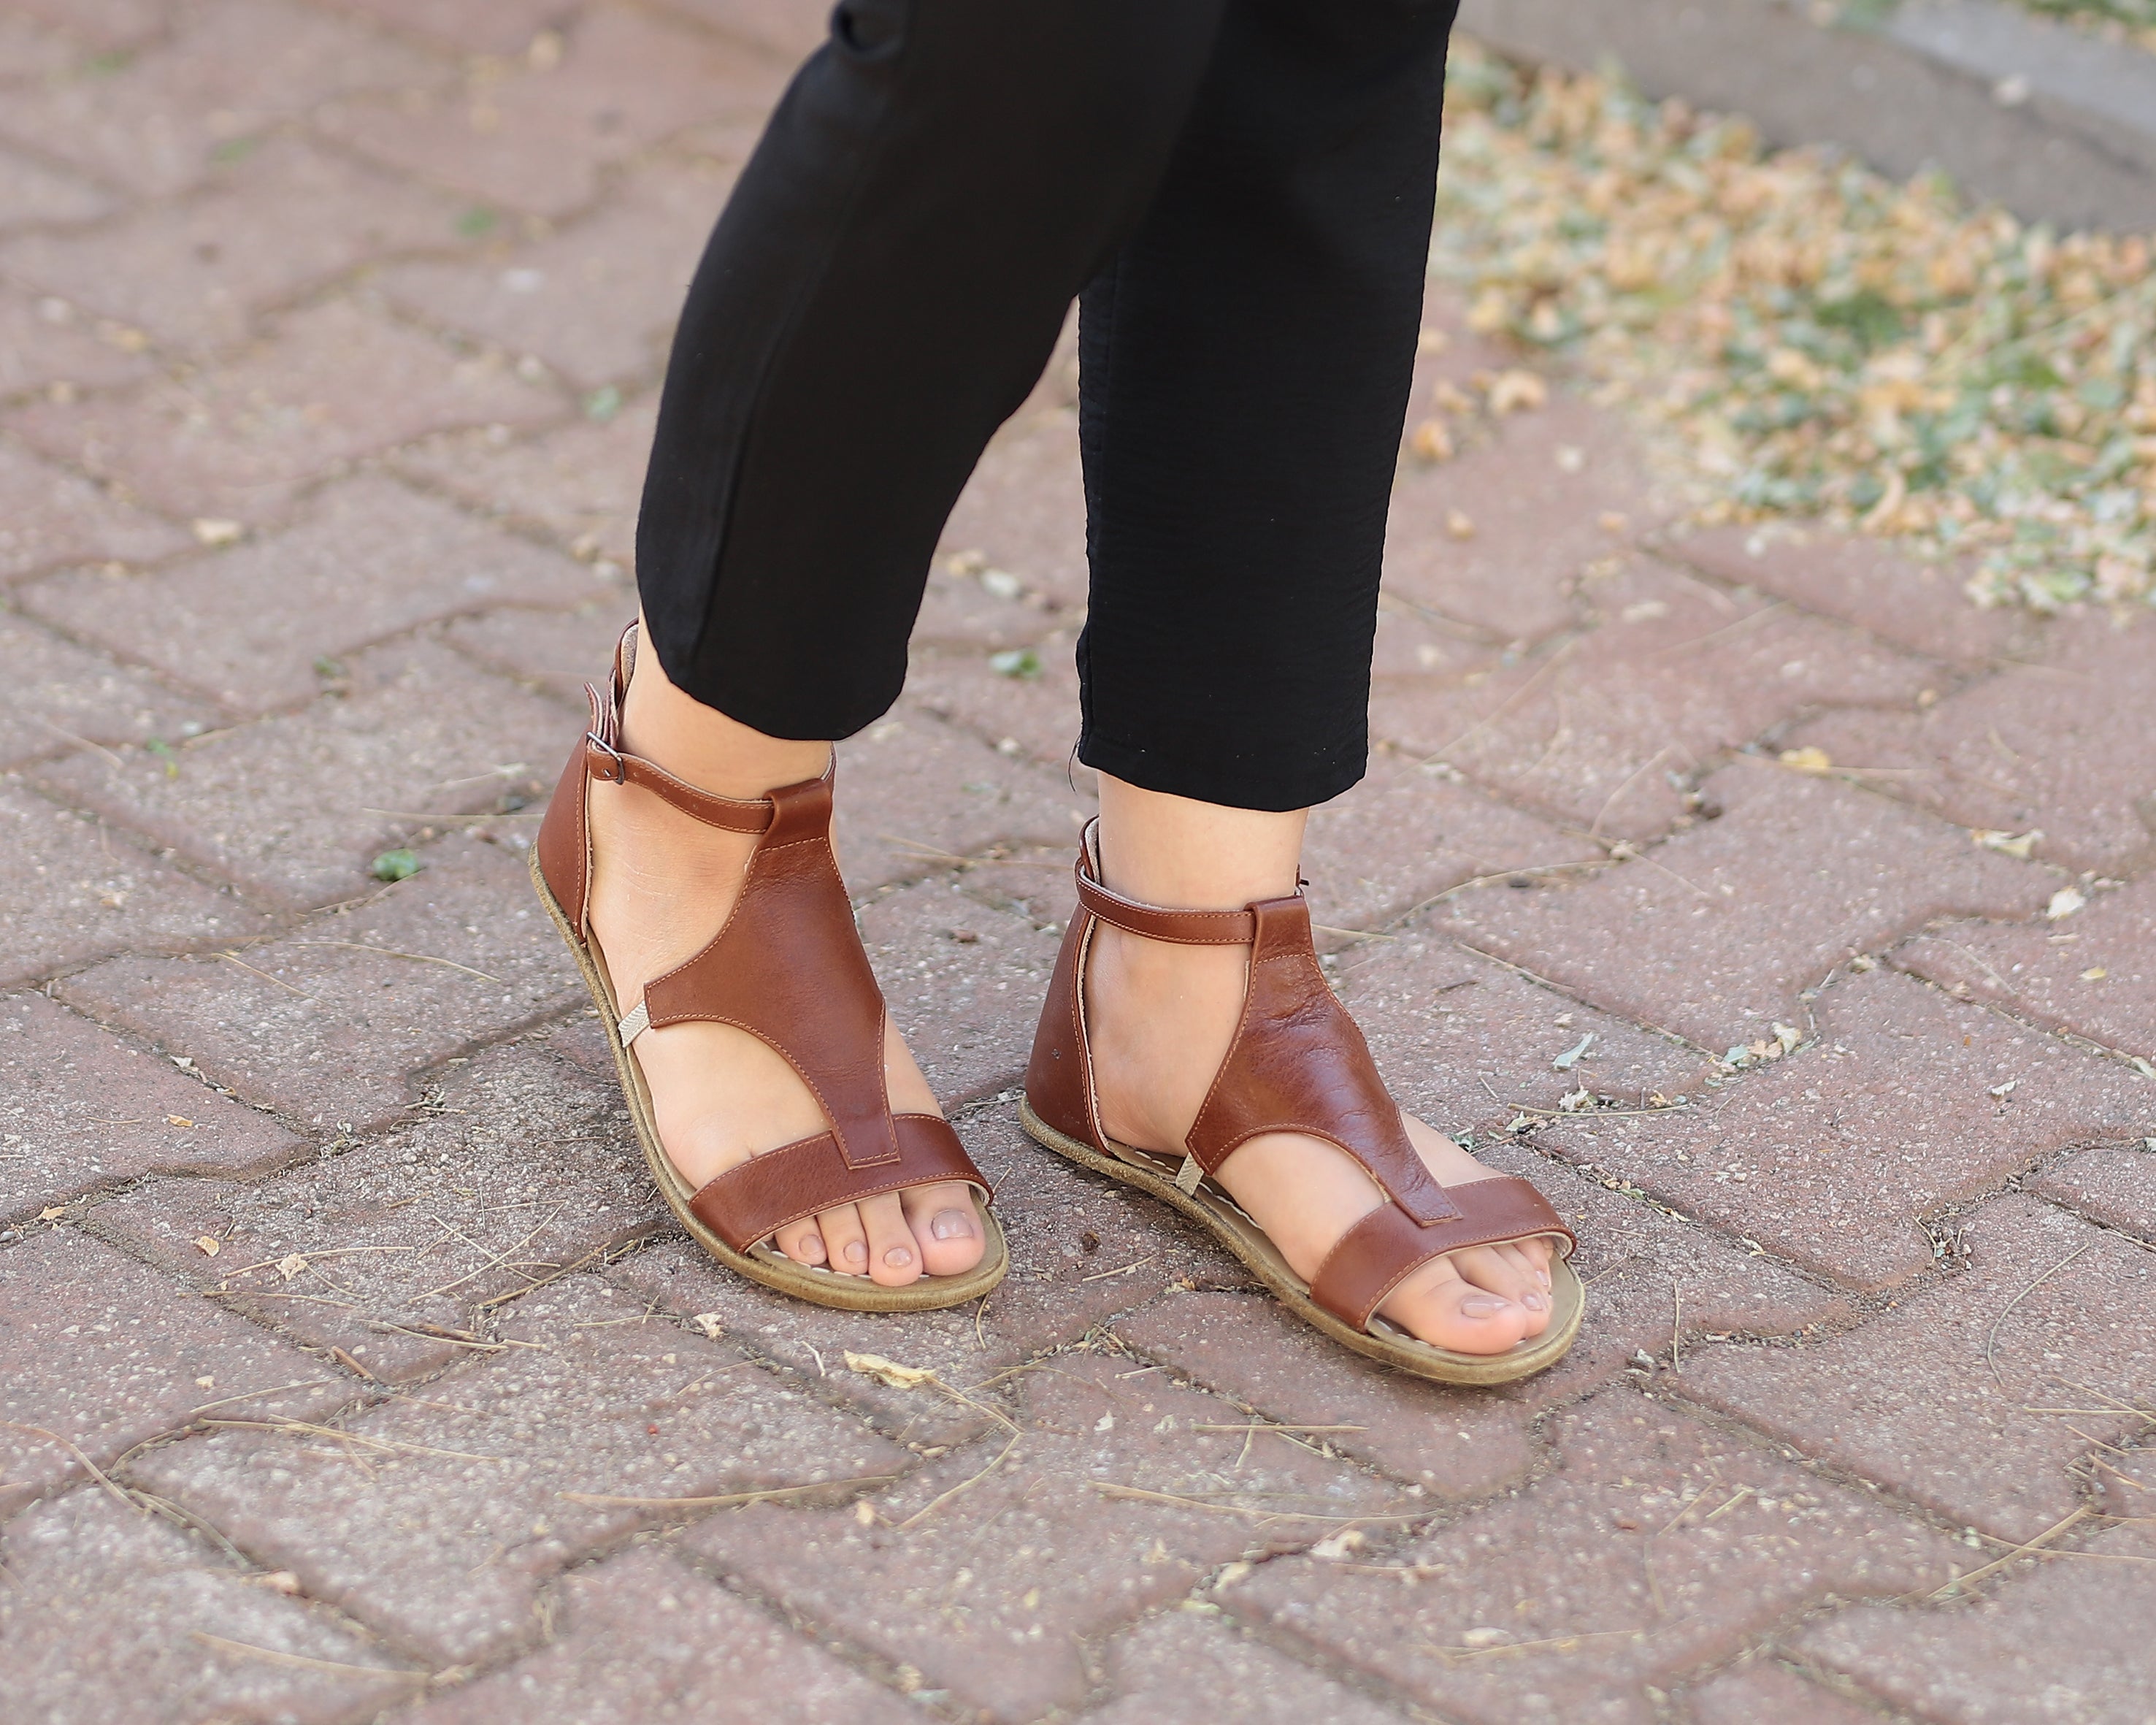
1439 1306
945 1227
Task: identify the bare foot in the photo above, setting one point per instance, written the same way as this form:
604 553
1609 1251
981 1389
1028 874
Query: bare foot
1160 1017
662 885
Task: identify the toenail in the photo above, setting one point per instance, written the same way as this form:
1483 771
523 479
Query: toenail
898 1258
1483 1306
811 1250
1542 1276
950 1225
1534 1302
856 1252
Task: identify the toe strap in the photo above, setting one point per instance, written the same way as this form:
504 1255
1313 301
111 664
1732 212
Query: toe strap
1388 1245
753 1199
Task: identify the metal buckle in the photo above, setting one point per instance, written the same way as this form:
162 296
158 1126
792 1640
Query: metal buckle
619 775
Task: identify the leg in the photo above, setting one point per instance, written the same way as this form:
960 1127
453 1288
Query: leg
883 289
1247 361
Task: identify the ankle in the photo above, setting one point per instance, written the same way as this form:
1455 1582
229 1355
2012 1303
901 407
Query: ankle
703 746
1185 855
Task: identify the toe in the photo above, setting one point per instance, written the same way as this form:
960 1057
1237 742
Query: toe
844 1239
801 1242
1440 1306
945 1227
1506 1272
894 1254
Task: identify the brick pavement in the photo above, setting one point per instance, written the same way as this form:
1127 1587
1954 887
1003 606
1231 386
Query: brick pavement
349 1368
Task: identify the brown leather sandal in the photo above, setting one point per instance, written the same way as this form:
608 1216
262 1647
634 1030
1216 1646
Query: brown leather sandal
1298 1064
788 968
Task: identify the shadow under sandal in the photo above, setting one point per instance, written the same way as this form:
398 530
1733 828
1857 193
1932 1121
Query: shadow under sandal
1298 1064
788 968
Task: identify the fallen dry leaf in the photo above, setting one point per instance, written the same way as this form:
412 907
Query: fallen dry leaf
1817 341
1431 441
890 1372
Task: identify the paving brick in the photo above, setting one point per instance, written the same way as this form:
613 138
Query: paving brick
446 1553
1465 1041
1059 1287
492 26
537 139
32 193
233 441
1655 1546
1717 934
279 220
2093 973
641 1640
1186 1665
963 982
101 1354
515 1167
2037 746
1425 649
252 625
559 652
1833 1157
61 696
960 614
100 23
329 1023
118 1618
1864 581
967 1593
2114 1184
597 302
1650 1281
1407 833
1030 714
2062 1640
89 1110
1597 726
72 890
45 341
1966 1396
49 517
417 737
29 50
158 121
1764 1693
580 482
1535 526
1025 508
792 29
915 792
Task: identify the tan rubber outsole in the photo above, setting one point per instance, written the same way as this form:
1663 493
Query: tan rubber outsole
1249 1242
761 1263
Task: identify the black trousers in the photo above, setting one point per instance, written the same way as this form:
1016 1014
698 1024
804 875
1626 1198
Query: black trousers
1240 190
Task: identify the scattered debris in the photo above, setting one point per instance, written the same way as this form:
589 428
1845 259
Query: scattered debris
1572 1056
2018 845
1822 343
394 865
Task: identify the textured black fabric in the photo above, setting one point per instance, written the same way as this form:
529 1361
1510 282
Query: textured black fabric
1246 187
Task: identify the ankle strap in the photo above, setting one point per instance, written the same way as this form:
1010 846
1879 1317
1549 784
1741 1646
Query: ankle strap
1185 928
604 760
